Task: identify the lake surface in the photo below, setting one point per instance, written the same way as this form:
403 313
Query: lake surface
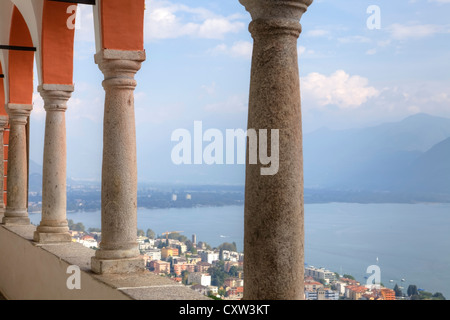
407 241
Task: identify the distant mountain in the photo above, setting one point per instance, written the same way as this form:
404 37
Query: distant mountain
392 156
431 171
35 167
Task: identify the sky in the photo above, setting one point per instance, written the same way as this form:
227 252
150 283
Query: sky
198 63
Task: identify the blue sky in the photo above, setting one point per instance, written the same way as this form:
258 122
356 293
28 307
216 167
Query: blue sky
198 68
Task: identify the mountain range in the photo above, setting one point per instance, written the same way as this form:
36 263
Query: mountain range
399 161
412 155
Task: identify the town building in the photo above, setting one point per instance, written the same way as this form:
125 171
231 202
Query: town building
178 268
312 285
355 292
235 293
167 252
320 274
210 256
202 266
160 266
154 254
321 294
88 241
233 282
199 278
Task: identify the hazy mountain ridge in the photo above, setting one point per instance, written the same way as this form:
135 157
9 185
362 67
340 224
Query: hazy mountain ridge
401 161
410 155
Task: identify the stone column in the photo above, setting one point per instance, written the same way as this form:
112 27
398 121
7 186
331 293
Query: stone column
17 182
273 223
53 226
119 252
3 124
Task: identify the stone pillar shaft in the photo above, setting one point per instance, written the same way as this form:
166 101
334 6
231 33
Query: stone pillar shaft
274 213
17 182
53 226
3 124
119 252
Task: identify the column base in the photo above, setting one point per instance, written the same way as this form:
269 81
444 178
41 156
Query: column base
15 220
43 237
113 266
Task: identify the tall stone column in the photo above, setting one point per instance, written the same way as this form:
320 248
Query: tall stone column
53 226
3 124
17 182
119 252
273 223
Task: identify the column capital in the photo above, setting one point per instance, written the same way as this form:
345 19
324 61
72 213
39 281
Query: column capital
119 67
55 96
276 16
3 122
18 113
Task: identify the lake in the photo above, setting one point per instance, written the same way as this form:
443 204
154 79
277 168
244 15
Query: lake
407 241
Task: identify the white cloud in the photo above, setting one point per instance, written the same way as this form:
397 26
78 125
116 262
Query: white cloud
165 20
340 89
239 49
84 28
234 104
354 39
415 31
318 33
210 90
38 112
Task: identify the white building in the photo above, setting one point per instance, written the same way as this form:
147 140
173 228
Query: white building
199 278
210 256
154 254
88 242
340 287
320 274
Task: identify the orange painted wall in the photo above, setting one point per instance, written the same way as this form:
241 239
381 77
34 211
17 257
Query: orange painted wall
20 62
57 44
123 24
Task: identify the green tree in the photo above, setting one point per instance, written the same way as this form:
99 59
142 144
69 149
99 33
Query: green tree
228 246
438 296
78 227
412 290
398 291
218 274
140 233
184 277
150 234
349 277
94 230
424 295
234 271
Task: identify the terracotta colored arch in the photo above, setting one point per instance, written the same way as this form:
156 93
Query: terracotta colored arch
122 24
20 62
57 44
